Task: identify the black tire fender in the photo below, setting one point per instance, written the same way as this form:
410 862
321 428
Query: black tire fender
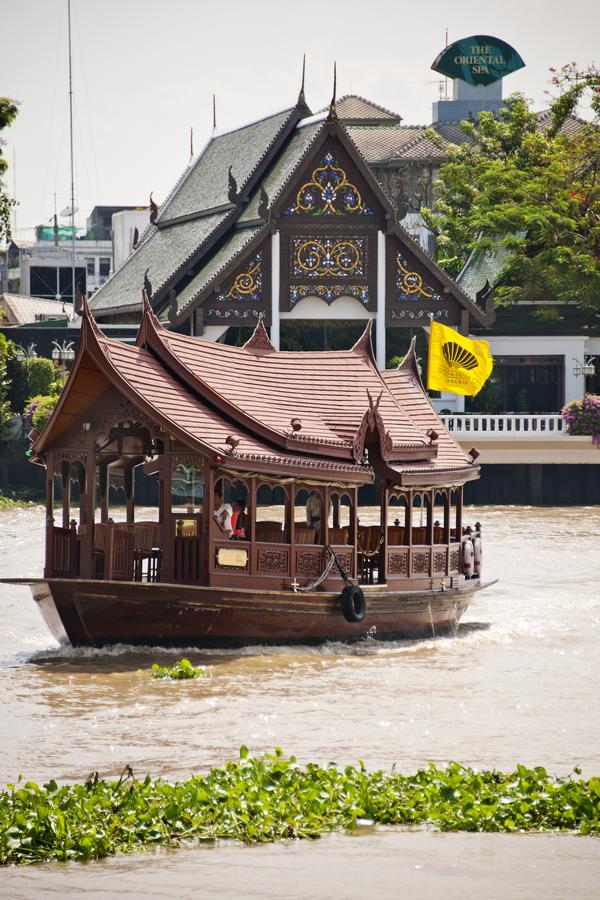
354 605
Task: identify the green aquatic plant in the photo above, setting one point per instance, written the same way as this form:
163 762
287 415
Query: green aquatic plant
267 799
180 671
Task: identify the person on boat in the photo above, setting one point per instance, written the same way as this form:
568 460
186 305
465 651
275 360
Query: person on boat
223 513
314 513
238 520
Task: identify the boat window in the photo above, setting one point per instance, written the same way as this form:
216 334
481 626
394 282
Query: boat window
440 518
271 519
340 519
397 519
421 507
187 489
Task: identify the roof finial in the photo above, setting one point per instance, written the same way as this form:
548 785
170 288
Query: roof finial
332 115
214 112
301 97
191 142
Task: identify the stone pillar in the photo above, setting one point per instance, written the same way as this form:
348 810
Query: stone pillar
275 285
380 318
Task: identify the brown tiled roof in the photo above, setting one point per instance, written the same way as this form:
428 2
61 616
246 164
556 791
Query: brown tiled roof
403 384
352 108
288 385
200 393
384 144
570 128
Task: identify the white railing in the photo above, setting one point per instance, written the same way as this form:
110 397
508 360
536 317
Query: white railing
515 425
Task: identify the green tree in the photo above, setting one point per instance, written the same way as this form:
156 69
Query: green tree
6 414
8 112
530 191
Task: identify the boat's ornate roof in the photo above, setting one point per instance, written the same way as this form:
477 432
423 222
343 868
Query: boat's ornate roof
289 411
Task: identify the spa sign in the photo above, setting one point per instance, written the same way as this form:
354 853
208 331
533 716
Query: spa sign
479 59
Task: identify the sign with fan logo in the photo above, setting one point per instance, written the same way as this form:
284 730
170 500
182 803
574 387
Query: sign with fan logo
457 364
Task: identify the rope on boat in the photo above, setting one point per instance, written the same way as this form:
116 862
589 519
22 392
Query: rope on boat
333 560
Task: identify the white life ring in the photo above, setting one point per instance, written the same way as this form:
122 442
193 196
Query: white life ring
467 554
478 555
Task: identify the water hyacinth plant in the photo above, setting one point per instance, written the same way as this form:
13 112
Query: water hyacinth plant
583 416
267 799
180 671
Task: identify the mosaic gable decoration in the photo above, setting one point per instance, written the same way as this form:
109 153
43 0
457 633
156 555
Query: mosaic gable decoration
329 193
410 284
329 293
328 256
247 285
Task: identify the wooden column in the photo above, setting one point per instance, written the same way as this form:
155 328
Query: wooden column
336 510
129 483
65 483
275 287
447 516
381 312
431 498
86 528
49 563
459 512
382 573
104 478
166 519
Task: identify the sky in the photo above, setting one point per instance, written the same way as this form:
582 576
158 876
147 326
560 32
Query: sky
144 72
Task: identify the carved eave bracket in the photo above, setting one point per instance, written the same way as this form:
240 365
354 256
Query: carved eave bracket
372 422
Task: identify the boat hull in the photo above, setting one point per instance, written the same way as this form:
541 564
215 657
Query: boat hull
98 613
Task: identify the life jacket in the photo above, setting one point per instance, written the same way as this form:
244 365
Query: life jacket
235 518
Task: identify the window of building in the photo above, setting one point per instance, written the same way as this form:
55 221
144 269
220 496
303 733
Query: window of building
90 263
104 268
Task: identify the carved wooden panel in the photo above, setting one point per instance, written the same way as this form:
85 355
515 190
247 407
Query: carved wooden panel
455 560
439 562
273 561
346 560
309 562
420 563
398 562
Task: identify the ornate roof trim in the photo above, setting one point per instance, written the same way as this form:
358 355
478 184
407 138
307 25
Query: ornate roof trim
259 342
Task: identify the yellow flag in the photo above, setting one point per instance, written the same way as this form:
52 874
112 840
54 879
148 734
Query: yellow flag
456 363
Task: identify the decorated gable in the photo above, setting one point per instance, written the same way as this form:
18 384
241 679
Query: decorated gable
329 221
415 293
234 287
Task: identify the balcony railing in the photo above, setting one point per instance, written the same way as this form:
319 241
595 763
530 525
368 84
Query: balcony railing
510 425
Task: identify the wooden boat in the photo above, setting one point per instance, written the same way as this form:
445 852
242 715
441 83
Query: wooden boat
297 438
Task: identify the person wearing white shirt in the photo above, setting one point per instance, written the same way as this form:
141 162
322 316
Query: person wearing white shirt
223 513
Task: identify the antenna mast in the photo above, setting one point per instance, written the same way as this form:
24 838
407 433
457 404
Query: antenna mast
72 169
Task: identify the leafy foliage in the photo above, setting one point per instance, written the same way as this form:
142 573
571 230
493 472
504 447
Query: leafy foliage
530 194
38 411
180 671
260 800
6 354
8 113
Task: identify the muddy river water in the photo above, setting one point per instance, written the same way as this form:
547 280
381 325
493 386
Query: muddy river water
519 682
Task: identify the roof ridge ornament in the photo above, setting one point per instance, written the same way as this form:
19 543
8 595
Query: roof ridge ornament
263 204
147 285
301 95
260 341
232 193
153 210
332 114
214 113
